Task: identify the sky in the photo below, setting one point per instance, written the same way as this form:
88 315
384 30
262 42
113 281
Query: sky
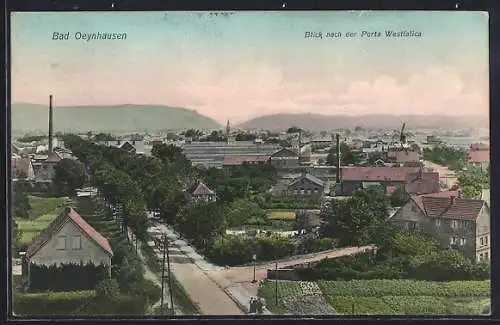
248 64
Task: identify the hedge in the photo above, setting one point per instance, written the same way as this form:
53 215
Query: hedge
51 303
65 277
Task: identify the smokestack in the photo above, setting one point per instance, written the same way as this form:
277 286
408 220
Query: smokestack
337 140
50 124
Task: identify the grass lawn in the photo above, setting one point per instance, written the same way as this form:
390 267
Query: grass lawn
43 211
281 214
47 205
386 297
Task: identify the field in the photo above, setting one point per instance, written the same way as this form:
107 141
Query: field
379 297
278 214
43 211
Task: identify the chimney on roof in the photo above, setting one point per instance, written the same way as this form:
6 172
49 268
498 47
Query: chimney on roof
50 124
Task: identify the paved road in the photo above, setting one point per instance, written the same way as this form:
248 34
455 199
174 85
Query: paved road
205 293
244 274
446 175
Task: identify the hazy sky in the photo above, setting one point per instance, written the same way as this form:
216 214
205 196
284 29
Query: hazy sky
256 63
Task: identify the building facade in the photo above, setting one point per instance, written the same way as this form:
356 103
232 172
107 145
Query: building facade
456 223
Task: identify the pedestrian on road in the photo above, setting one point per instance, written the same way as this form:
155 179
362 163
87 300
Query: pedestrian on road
252 305
260 306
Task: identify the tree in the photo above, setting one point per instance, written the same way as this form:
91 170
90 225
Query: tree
347 156
455 159
104 137
201 222
16 236
69 175
21 206
354 221
243 211
399 197
472 181
293 129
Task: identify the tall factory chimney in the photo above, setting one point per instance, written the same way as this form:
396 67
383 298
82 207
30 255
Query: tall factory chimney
51 130
337 143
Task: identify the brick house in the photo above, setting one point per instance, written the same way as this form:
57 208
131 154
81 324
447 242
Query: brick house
479 155
67 239
285 159
306 185
403 155
458 223
199 191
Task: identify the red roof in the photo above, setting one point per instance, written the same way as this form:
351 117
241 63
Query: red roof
479 156
422 182
452 208
91 232
418 199
480 146
55 226
240 160
374 174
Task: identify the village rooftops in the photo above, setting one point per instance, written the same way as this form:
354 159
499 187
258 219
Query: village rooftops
478 156
69 215
309 177
243 159
374 174
452 207
199 189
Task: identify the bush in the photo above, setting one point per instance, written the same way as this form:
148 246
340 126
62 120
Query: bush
237 250
51 303
66 277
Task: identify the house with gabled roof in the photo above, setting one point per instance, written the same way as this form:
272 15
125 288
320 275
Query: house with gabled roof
306 185
456 223
285 158
68 239
199 191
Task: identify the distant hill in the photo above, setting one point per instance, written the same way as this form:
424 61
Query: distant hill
120 118
317 122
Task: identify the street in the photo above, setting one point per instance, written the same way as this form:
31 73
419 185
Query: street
446 176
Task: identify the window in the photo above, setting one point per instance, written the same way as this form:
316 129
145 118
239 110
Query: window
462 241
482 241
76 242
438 222
486 241
481 257
453 240
486 255
61 243
453 224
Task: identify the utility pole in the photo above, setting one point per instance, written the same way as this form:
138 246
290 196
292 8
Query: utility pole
169 278
164 247
254 257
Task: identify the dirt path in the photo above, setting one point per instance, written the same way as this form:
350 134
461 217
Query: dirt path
446 176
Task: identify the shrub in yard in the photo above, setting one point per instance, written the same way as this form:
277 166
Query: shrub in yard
66 277
51 303
235 250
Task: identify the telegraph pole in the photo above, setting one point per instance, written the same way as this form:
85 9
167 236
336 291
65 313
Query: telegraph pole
254 257
169 278
164 247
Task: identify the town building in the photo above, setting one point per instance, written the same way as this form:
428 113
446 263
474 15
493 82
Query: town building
306 185
21 167
456 223
69 239
199 191
479 155
245 160
131 146
285 158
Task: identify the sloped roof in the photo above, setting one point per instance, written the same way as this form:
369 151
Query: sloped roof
446 194
478 156
285 150
55 226
453 208
241 159
309 177
422 182
376 173
200 188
